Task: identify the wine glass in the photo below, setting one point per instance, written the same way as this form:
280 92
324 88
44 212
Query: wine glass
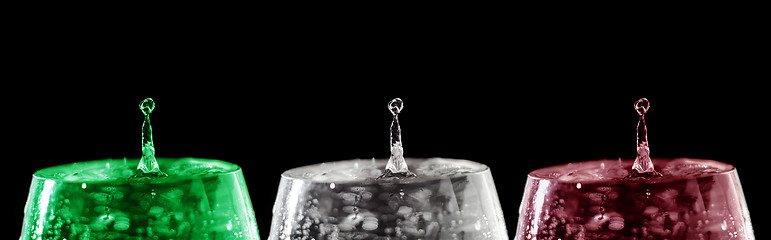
691 199
444 199
198 199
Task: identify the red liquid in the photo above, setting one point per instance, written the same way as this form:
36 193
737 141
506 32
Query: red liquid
695 199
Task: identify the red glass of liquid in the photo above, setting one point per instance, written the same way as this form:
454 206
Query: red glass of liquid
693 199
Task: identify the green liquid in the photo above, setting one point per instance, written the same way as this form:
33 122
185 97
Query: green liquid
199 199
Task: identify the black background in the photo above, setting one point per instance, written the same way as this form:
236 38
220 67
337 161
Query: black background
514 129
516 98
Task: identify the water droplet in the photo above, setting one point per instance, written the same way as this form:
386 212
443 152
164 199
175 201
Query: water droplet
578 185
148 165
332 185
643 166
395 106
396 166
642 106
147 106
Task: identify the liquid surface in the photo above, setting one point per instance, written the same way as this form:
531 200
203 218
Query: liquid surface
360 169
200 199
120 170
604 170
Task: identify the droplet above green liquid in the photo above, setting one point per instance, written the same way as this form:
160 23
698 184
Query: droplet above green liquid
148 166
133 199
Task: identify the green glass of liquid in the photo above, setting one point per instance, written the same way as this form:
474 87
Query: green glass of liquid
103 199
146 198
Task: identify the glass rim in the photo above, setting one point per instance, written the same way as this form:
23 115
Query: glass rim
722 169
59 173
301 173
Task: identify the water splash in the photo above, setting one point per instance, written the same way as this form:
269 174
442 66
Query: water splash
643 166
396 166
148 166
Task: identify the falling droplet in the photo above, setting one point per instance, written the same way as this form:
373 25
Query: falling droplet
643 166
396 166
148 166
